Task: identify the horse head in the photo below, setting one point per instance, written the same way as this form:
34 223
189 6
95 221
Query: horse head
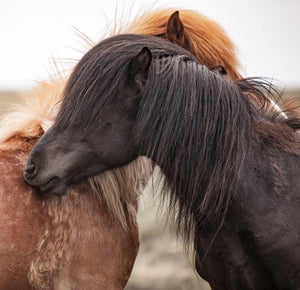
69 153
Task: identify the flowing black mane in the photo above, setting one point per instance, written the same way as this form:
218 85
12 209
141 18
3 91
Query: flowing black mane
184 107
199 109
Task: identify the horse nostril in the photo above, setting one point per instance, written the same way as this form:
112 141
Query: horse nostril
30 169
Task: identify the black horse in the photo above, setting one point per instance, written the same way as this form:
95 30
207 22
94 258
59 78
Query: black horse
231 162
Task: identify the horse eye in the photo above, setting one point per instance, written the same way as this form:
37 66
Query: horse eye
220 69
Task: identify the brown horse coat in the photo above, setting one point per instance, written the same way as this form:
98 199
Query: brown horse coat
59 243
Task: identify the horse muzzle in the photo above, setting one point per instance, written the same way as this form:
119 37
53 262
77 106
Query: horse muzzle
47 185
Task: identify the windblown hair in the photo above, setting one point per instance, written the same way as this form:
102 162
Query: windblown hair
33 116
194 123
204 38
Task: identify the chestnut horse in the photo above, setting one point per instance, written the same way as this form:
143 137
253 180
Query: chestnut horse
43 235
74 242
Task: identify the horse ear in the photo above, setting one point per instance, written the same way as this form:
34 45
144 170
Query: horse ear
175 29
139 66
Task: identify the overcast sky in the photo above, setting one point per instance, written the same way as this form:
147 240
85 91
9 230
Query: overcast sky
266 33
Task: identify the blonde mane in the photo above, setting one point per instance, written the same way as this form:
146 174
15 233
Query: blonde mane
119 188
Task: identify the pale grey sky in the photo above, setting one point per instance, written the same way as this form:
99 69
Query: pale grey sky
266 33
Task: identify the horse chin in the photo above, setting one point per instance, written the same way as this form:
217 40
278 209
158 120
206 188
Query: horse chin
54 187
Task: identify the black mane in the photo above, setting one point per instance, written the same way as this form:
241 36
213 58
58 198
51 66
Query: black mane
202 131
100 75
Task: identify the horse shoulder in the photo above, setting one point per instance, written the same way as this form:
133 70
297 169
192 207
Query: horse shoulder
20 221
268 206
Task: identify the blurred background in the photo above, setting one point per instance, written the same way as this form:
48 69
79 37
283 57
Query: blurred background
33 32
266 33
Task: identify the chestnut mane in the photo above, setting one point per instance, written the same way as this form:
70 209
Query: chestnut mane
204 38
